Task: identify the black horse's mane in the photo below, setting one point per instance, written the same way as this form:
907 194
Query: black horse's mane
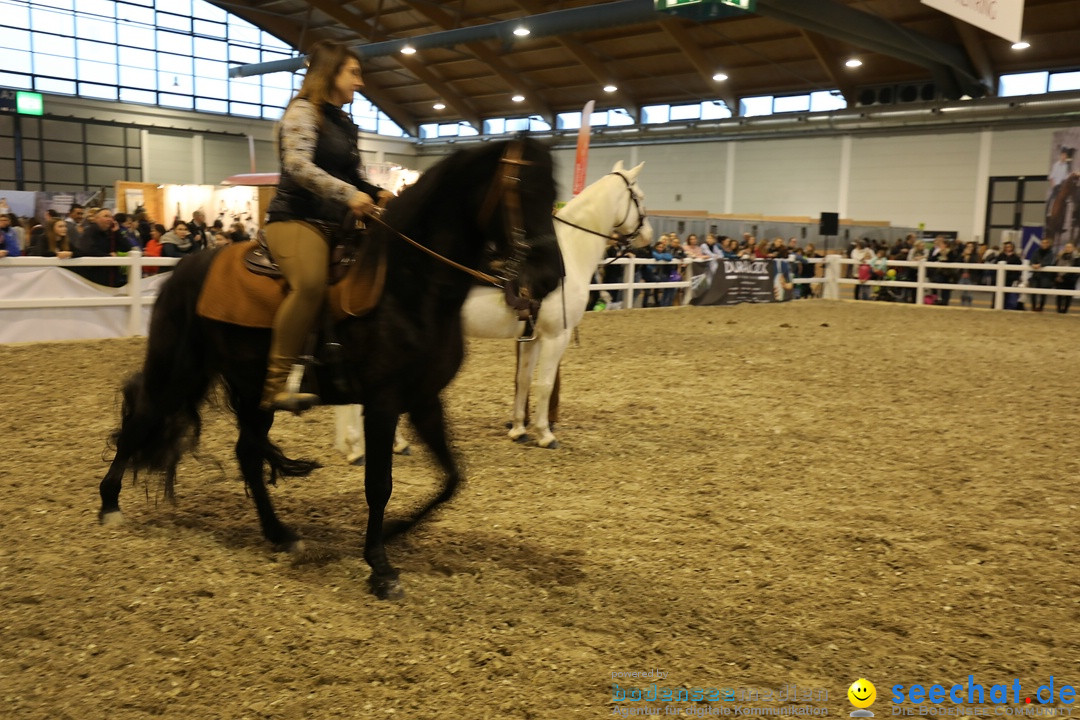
447 173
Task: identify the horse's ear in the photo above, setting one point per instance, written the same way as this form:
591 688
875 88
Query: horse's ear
633 172
618 166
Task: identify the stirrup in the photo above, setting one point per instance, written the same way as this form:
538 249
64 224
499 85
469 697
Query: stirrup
529 334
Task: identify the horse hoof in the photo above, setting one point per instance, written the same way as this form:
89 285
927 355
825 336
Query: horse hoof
523 438
358 461
111 518
405 451
553 445
385 588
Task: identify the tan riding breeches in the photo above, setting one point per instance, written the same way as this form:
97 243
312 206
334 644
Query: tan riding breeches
303 256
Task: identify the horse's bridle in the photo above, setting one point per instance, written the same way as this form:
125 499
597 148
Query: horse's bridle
505 186
624 239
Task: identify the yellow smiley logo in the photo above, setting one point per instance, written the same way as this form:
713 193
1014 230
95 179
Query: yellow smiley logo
862 693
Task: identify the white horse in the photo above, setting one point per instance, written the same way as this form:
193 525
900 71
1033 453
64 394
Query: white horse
611 205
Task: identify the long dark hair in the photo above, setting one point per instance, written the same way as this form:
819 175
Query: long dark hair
56 243
325 60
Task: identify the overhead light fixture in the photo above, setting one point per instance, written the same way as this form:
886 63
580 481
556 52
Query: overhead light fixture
518 98
439 106
719 77
609 88
853 63
408 50
521 31
1022 45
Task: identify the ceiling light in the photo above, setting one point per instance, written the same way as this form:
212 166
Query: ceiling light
854 63
1022 45
518 98
719 77
439 106
521 31
610 88
408 50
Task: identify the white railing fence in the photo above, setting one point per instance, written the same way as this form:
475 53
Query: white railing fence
138 293
836 272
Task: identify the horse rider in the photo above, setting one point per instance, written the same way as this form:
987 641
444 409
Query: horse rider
321 179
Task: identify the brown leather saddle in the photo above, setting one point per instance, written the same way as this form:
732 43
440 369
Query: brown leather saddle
343 254
245 287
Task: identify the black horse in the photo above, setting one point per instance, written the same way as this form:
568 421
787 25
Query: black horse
488 204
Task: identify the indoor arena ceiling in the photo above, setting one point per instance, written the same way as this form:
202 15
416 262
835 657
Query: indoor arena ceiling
468 60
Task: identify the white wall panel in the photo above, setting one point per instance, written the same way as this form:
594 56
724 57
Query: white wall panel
787 177
224 156
912 179
1021 152
171 159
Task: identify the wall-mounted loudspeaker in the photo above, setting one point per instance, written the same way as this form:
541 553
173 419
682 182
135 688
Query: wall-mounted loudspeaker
829 223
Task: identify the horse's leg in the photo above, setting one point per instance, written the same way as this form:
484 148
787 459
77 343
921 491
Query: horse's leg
430 423
378 484
349 432
517 385
250 445
110 514
551 352
526 363
553 403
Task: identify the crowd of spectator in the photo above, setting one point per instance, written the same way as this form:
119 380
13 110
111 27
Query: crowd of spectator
678 255
97 232
872 258
875 268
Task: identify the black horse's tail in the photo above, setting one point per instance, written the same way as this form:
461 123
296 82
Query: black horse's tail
160 419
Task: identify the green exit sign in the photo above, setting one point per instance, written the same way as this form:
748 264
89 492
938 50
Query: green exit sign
29 103
706 9
23 102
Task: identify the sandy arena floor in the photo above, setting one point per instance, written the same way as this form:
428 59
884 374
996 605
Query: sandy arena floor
746 497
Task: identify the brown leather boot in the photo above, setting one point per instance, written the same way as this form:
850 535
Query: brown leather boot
281 394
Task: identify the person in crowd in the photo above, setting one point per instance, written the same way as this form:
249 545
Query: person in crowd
102 238
143 225
74 220
1066 281
694 249
968 276
153 249
941 252
810 270
1012 277
9 241
321 178
21 235
238 233
53 241
613 273
128 230
221 240
1043 257
199 232
177 242
862 255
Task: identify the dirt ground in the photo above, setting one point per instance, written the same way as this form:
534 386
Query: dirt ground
748 497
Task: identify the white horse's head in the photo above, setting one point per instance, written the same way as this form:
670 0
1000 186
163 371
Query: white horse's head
635 224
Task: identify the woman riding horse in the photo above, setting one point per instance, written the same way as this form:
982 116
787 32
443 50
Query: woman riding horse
321 179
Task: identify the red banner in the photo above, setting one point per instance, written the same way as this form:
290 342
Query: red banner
581 160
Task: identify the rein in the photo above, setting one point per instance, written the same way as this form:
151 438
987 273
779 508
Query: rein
624 239
481 276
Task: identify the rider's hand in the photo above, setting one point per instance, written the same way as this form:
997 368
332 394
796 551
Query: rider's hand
385 196
361 204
